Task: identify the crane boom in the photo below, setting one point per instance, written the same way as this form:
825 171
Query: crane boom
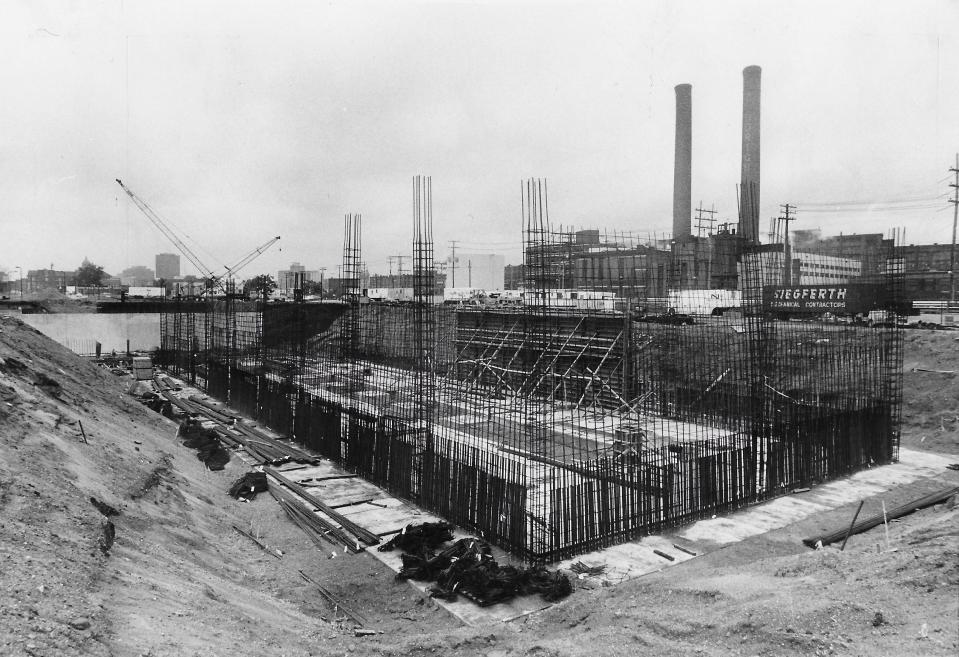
168 232
250 257
215 281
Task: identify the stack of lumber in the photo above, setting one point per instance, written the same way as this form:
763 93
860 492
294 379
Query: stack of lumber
345 529
263 448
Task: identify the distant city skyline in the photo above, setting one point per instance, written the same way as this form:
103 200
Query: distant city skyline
238 121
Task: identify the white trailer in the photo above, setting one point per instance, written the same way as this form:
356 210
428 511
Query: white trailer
704 302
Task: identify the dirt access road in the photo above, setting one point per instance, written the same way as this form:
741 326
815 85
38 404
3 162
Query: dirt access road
178 580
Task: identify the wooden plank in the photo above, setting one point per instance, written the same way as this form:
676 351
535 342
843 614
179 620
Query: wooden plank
362 533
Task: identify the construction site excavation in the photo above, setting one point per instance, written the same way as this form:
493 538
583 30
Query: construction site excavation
550 429
540 400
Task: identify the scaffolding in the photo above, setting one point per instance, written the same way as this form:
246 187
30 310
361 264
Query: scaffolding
564 424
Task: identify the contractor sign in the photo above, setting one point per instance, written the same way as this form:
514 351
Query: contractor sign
845 298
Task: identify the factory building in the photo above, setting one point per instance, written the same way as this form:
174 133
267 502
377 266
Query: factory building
767 266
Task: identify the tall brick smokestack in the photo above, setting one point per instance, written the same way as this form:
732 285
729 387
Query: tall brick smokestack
682 168
749 186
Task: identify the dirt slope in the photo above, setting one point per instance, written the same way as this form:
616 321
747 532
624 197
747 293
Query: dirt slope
179 581
930 399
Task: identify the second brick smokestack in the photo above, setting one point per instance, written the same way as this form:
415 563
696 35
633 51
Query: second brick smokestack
682 170
749 186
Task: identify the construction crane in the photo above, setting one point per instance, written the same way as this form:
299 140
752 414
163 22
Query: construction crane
206 272
249 257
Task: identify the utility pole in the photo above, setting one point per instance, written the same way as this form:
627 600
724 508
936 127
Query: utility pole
453 261
700 219
469 280
787 248
322 272
955 216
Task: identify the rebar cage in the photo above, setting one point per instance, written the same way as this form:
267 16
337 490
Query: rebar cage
584 416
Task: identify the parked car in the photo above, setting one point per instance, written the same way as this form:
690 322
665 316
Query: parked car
669 317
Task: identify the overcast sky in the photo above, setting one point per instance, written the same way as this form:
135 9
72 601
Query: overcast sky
239 120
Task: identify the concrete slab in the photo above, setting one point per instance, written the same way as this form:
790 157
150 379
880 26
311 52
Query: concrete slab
343 491
783 511
379 520
636 558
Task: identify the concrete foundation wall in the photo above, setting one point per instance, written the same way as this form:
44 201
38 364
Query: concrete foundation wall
80 331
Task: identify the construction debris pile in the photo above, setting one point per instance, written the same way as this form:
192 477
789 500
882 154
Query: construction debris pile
206 442
468 568
249 485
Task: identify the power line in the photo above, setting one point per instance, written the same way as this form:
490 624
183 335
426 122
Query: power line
875 206
503 243
894 201
860 210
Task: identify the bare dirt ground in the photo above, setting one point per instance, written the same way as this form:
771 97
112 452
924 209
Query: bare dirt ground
930 401
178 580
